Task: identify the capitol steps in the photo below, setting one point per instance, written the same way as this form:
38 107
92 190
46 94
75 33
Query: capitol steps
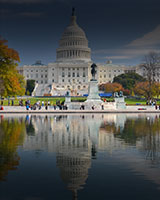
42 90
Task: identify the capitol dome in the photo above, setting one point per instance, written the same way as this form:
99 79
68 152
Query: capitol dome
73 45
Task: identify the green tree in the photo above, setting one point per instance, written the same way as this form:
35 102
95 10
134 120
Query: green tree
128 80
30 86
13 82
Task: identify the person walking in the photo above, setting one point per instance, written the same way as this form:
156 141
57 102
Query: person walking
102 106
46 105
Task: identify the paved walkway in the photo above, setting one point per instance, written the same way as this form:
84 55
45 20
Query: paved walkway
129 109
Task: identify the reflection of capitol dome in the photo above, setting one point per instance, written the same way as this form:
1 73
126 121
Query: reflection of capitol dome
74 170
73 153
73 45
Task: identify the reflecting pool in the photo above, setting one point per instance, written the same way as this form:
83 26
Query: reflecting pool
89 156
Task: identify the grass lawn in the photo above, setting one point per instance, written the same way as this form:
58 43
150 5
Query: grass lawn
61 99
33 100
135 101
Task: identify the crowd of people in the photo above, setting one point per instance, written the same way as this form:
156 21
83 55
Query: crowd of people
44 104
61 105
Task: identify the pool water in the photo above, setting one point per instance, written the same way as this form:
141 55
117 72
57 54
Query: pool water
89 156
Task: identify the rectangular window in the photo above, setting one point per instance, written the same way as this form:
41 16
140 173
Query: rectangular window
52 74
52 80
63 74
46 76
77 74
69 74
41 75
73 74
84 74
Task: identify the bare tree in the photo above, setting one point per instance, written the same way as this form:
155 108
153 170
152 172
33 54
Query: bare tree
151 65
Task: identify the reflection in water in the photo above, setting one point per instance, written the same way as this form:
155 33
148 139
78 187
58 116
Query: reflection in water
73 138
76 140
11 135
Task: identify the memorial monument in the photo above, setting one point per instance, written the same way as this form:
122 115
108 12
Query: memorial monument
119 100
93 99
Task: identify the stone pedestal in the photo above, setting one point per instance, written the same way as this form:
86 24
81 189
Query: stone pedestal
67 99
93 98
93 91
120 103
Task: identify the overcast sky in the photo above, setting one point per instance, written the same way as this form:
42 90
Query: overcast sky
120 30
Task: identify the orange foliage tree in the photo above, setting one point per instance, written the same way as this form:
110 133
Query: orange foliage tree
142 89
111 87
146 90
13 82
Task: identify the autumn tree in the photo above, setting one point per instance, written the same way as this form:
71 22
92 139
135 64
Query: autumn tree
13 82
143 89
156 89
151 68
111 87
2 88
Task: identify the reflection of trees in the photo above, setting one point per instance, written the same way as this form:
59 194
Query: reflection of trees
143 132
11 135
151 141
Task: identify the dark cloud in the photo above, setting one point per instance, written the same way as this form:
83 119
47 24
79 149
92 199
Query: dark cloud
114 28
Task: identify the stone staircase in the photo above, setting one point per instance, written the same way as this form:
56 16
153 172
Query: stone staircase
42 89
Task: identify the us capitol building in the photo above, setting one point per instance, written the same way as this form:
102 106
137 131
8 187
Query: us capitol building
71 70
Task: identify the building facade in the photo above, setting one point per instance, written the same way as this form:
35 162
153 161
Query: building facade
71 70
